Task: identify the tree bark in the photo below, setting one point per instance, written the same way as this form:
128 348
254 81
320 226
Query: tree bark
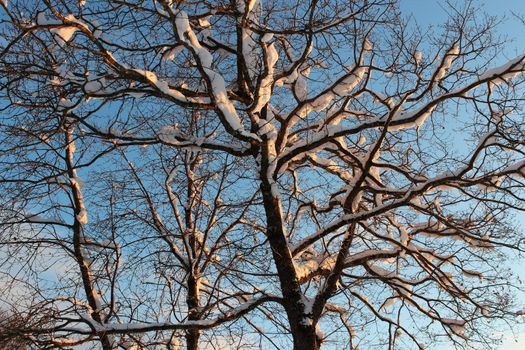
305 337
192 300
302 327
78 239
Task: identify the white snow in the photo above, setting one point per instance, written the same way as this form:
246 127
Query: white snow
174 344
65 33
447 62
76 183
289 79
308 303
457 326
82 216
319 333
369 253
389 302
218 86
265 89
485 311
368 46
518 167
170 54
183 24
222 100
381 271
94 86
300 88
470 273
151 76
403 236
164 87
251 4
303 270
249 46
204 22
266 37
266 127
43 220
346 86
321 102
418 56
336 308
66 103
136 94
506 71
249 50
493 185
405 120
356 201
169 134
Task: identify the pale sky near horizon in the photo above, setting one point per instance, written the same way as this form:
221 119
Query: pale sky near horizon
433 12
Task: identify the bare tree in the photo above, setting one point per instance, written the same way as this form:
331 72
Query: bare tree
320 170
12 334
190 202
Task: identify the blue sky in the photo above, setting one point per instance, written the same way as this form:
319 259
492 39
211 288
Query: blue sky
433 12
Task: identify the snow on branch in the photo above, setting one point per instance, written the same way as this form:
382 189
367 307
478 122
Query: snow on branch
217 87
137 327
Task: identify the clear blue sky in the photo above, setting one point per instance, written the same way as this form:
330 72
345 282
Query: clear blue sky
433 12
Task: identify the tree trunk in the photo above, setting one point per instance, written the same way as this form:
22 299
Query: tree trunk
192 339
192 300
303 332
305 337
78 240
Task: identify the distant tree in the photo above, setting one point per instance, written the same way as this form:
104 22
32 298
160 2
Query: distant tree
256 174
14 326
8 332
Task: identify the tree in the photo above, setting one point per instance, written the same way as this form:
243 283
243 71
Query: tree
319 169
10 337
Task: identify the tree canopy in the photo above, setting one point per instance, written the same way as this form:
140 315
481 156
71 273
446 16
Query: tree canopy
250 174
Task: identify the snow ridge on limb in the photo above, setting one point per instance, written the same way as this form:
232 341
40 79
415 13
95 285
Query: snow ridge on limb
79 238
217 87
494 76
65 29
446 63
166 89
432 184
264 91
122 328
399 120
249 61
342 87
503 73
